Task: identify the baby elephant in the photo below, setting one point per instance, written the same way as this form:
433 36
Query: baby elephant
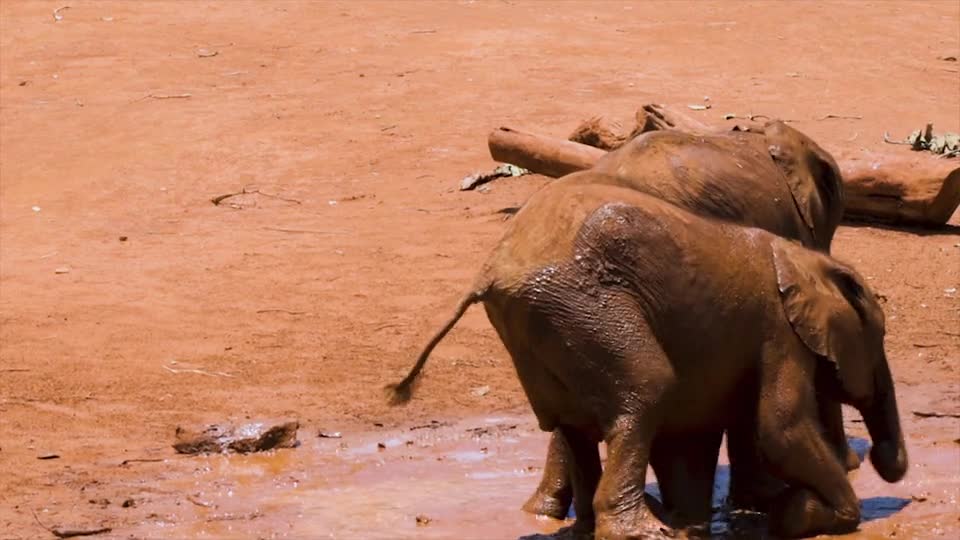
637 323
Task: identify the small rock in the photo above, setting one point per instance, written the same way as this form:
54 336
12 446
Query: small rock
329 434
951 290
480 391
48 456
35 208
129 503
123 238
381 447
919 498
61 270
422 520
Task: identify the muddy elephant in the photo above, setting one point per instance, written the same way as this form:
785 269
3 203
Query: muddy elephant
776 179
632 321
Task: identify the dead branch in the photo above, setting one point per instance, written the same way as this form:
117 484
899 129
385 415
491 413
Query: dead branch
167 96
305 231
198 372
56 13
220 198
139 460
198 502
278 310
544 155
888 140
70 533
925 414
840 116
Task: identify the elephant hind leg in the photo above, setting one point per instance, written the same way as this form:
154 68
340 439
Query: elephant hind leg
585 473
620 501
555 492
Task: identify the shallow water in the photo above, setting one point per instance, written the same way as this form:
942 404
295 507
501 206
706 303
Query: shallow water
468 479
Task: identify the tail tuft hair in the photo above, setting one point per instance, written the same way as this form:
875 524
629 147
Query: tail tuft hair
398 394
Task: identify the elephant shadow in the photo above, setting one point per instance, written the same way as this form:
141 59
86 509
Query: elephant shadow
751 525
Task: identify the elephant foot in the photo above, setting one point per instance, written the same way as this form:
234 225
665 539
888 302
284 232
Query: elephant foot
582 529
631 525
544 504
799 512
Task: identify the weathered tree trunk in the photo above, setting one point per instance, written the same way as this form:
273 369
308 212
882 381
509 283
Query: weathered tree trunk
915 189
543 155
900 188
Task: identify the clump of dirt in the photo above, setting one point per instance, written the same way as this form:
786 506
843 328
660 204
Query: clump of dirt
244 439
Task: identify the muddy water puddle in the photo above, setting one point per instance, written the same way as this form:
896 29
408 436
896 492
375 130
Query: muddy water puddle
467 479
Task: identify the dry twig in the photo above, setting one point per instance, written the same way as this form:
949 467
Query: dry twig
198 502
198 371
140 460
888 140
56 13
219 199
840 116
70 533
305 231
163 96
925 414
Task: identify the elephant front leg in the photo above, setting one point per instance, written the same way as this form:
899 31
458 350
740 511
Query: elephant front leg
820 499
621 512
831 416
752 487
555 493
685 466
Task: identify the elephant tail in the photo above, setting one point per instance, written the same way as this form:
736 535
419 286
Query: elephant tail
401 392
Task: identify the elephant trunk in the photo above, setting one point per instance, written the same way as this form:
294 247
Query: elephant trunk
889 453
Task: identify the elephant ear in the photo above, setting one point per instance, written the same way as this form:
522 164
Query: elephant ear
812 176
823 302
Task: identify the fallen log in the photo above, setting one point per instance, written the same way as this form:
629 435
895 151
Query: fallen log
543 155
909 189
894 188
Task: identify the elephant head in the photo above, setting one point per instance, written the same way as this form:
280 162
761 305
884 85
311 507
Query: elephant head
839 319
813 178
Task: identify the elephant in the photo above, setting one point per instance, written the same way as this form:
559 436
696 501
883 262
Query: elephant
775 178
633 321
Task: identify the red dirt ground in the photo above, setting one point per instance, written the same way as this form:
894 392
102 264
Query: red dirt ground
367 115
